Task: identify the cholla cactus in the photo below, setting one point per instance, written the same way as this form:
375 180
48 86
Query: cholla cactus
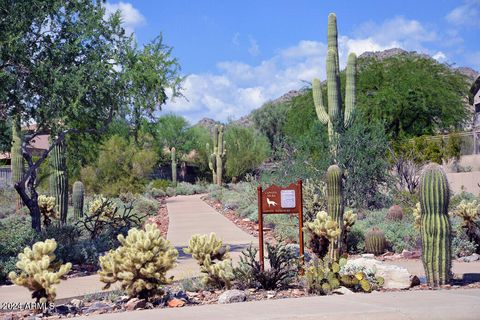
213 258
468 211
322 232
39 273
140 263
47 205
349 219
417 215
103 207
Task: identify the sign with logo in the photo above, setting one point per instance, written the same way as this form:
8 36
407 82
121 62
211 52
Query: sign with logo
280 200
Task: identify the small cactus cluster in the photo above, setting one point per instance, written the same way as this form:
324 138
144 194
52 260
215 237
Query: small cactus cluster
469 211
375 241
140 263
213 258
17 158
78 197
216 161
322 276
349 219
39 272
102 207
395 213
335 208
58 180
333 117
46 205
321 232
435 225
173 155
417 215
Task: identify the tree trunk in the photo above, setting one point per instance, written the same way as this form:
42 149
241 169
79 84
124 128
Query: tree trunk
32 201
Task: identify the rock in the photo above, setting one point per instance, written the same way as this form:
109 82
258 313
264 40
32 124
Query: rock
77 303
246 220
410 254
414 281
342 290
471 258
98 307
122 299
368 256
176 303
295 248
182 295
135 303
271 294
395 277
232 296
64 309
230 206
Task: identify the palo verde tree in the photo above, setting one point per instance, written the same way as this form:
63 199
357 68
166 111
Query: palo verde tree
69 69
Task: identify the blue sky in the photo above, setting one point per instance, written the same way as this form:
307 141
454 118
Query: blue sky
239 54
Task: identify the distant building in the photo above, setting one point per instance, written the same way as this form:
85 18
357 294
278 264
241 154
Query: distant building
36 145
475 102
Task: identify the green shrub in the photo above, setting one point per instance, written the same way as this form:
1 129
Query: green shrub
8 200
185 188
143 206
161 184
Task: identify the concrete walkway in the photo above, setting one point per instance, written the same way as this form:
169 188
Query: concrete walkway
435 305
188 215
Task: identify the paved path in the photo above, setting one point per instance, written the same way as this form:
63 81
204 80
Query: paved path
188 215
435 305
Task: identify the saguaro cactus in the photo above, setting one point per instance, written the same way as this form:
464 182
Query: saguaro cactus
17 158
333 116
78 196
216 160
59 181
435 225
174 166
335 207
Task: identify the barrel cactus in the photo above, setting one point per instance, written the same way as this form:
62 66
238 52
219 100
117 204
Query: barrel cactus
335 208
140 263
333 117
435 228
375 241
39 272
17 158
58 180
174 166
78 197
395 213
216 161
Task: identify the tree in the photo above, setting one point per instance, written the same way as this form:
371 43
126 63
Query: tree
67 69
171 131
270 119
246 150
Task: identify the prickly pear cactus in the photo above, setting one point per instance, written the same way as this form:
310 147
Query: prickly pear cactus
140 263
335 208
213 258
78 197
39 272
435 225
59 180
322 275
375 241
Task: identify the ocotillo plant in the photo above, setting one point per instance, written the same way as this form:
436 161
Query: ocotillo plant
58 180
78 196
335 207
17 158
174 166
333 116
435 225
216 160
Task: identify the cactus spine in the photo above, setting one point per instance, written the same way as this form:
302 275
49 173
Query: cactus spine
375 241
216 160
435 225
335 207
174 166
17 158
78 196
334 119
58 180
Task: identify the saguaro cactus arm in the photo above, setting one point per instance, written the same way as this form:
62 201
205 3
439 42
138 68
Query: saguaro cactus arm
350 89
318 101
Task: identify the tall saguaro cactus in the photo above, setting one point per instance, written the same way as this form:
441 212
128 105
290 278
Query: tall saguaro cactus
78 196
59 180
17 158
335 207
333 116
435 225
216 160
174 165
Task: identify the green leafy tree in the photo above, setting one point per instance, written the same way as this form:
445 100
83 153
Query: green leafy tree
69 70
270 119
246 150
172 131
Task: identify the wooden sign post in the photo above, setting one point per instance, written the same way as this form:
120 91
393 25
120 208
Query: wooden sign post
280 200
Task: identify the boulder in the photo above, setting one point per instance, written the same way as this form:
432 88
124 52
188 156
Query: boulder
342 290
77 303
295 249
396 277
135 303
232 296
176 303
472 258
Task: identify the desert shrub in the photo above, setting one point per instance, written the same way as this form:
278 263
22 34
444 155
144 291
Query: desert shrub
143 206
140 263
191 284
7 201
39 271
170 191
185 188
161 184
213 258
462 247
314 199
282 270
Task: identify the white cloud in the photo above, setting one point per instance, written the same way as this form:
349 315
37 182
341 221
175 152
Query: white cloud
236 39
440 56
254 49
467 14
236 88
131 17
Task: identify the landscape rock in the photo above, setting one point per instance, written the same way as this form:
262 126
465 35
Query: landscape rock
411 254
342 290
295 248
182 295
135 303
415 281
98 307
77 303
271 294
232 296
64 309
396 277
176 303
472 258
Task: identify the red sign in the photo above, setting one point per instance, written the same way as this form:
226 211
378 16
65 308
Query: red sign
280 200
